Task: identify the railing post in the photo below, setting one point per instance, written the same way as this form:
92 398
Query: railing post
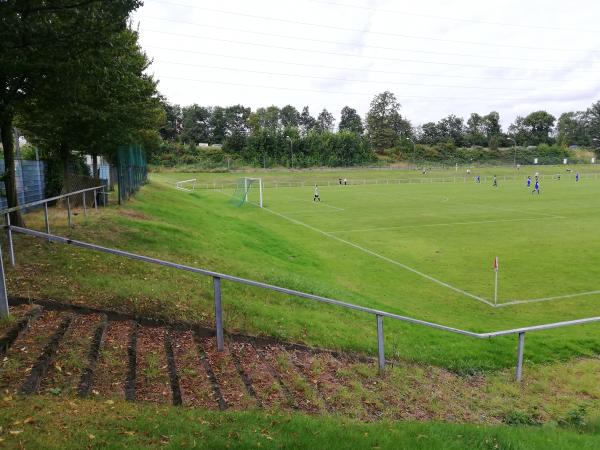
520 347
84 205
218 314
46 219
4 312
11 250
380 348
69 211
95 199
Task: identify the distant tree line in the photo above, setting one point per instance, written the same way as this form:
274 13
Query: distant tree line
285 136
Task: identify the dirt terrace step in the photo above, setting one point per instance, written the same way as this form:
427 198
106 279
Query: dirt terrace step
70 351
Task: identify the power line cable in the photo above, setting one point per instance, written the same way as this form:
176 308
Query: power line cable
383 33
282 88
383 58
354 69
457 19
351 80
378 47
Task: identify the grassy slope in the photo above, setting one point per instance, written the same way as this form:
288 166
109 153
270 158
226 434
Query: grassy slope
203 229
43 422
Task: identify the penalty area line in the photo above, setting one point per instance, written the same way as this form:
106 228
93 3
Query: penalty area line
384 258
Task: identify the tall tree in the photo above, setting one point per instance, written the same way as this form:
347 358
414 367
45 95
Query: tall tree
325 121
218 125
593 124
290 117
36 38
350 121
306 122
173 125
94 103
534 129
384 121
572 128
476 132
540 125
451 128
196 124
237 127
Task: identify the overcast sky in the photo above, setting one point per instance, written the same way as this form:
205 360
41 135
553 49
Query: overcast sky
438 57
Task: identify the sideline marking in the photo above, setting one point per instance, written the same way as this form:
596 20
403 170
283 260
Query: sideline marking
385 258
424 275
545 299
438 225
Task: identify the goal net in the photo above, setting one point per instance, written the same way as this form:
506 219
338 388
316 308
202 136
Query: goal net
186 185
248 190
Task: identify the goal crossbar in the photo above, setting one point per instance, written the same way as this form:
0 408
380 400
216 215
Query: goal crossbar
180 185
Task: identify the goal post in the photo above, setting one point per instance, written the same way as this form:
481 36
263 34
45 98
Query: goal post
249 190
186 185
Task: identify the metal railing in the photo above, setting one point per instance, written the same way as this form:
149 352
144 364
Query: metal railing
217 277
6 212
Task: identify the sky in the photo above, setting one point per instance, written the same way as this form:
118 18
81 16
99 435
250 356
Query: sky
438 57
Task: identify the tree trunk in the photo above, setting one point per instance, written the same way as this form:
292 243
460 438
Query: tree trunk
65 160
95 173
10 180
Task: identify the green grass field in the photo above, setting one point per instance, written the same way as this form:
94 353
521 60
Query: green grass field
53 423
422 249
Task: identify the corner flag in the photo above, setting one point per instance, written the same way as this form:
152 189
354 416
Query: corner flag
495 281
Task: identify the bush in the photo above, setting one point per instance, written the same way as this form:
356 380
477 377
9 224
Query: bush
517 418
576 418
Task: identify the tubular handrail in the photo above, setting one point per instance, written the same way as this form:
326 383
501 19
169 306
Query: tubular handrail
50 199
239 280
217 277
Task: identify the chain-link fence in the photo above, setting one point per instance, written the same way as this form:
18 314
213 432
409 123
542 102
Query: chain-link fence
132 171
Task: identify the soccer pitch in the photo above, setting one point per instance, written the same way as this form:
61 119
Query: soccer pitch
426 249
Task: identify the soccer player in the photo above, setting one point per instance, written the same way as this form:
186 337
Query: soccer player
478 179
536 187
340 181
316 197
345 181
495 182
577 176
528 181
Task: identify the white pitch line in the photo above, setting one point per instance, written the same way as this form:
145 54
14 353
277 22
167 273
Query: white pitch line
308 211
435 225
429 277
385 258
546 299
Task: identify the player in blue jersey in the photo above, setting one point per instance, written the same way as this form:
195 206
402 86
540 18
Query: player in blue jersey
577 176
536 188
528 181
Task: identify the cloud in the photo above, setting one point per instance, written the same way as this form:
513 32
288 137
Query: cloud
438 57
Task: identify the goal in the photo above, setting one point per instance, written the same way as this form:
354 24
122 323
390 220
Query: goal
186 185
249 190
